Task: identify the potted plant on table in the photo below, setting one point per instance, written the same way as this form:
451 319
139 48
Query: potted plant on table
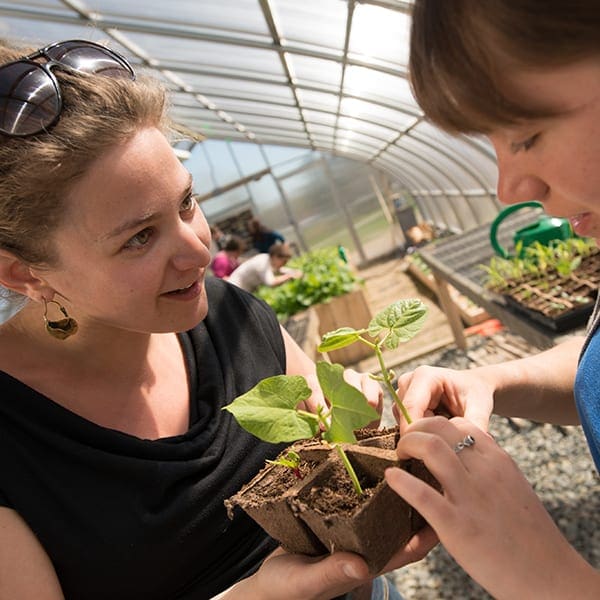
327 491
330 289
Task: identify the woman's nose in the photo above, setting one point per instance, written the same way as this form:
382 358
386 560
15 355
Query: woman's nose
517 182
191 252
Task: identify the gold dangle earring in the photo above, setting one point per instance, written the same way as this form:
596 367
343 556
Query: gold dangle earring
62 328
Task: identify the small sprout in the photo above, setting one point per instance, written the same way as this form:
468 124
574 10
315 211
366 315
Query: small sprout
291 460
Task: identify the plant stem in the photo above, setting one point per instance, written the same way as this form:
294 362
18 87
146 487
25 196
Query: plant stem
321 417
349 469
309 414
386 378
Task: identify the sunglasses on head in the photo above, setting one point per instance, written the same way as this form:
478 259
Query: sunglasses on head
30 98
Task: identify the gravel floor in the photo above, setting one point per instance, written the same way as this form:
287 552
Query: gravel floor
555 460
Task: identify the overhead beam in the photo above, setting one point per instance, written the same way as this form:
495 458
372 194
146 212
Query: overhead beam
231 186
184 31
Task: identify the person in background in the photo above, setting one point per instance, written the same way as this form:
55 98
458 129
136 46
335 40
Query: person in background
226 261
266 268
217 239
115 454
262 237
527 75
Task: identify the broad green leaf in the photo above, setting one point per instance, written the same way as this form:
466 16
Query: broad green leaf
399 322
349 407
268 410
340 338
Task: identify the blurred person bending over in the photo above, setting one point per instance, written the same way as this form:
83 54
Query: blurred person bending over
265 269
262 237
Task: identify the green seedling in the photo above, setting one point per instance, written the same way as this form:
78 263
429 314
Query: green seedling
397 323
560 256
291 461
273 410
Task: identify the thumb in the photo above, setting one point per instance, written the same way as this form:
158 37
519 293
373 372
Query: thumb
334 575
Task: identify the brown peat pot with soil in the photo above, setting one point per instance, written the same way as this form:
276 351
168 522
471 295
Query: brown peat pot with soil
321 511
327 491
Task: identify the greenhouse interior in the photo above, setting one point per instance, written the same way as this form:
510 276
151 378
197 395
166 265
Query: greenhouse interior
313 128
300 114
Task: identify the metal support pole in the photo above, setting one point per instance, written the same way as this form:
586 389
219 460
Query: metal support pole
344 210
286 206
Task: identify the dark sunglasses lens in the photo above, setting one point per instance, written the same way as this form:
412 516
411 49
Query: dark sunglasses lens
29 100
89 58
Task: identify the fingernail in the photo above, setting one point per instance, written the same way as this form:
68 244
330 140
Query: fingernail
350 571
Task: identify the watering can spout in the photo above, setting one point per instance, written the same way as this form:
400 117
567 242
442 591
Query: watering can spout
543 230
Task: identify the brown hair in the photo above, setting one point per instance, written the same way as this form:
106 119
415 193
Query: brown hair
458 49
280 250
37 172
234 243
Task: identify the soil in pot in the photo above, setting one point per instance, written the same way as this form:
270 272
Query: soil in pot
325 507
373 525
266 500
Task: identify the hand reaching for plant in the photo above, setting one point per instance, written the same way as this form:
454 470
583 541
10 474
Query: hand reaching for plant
538 387
488 516
430 390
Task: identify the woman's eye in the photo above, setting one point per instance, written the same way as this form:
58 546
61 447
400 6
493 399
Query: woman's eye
189 203
527 144
139 240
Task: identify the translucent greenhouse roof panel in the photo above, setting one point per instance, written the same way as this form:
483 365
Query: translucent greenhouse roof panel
299 25
320 74
380 36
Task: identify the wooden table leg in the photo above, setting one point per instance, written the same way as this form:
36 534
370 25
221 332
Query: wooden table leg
451 311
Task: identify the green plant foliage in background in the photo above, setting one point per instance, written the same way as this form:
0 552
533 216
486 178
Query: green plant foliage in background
325 276
537 260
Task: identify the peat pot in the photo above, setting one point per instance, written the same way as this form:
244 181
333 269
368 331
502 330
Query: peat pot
321 512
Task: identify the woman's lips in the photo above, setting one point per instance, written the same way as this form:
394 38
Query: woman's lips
581 223
187 293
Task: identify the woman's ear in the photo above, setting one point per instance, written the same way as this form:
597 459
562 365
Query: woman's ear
19 277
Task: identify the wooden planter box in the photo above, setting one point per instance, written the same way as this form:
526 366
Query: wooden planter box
304 329
349 310
470 313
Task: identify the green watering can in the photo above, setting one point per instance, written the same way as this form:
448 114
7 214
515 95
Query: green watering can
544 230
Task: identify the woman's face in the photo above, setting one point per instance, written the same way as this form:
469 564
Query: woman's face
134 245
555 160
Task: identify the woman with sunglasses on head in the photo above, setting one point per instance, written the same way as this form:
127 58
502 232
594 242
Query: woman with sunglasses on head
115 455
526 74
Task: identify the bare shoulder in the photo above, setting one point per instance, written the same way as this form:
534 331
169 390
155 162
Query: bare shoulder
25 569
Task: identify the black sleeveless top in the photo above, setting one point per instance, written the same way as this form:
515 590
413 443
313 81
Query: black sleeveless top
124 517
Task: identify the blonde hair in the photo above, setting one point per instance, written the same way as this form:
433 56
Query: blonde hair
37 172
